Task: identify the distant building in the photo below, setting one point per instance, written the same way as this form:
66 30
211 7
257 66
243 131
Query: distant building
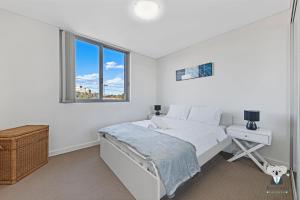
82 89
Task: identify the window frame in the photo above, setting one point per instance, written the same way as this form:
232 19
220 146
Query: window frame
101 46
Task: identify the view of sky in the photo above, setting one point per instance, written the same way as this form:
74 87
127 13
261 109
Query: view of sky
87 68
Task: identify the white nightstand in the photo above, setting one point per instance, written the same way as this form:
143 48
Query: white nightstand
153 114
249 142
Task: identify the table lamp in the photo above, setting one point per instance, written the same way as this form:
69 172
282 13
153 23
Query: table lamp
157 108
251 116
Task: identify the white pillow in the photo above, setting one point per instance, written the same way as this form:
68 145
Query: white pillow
178 112
205 114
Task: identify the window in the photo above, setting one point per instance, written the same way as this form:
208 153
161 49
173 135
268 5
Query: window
87 70
92 71
113 74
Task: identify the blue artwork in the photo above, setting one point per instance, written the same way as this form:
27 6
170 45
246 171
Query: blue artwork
194 72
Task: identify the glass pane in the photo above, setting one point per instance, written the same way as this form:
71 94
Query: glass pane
113 74
87 70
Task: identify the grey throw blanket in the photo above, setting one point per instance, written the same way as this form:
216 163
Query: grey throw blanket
175 159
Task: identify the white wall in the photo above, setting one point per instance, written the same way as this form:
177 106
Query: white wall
29 85
251 71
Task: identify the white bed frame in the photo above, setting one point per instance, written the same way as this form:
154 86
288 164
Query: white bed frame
141 183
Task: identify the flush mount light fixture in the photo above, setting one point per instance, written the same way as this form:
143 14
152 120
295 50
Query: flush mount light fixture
146 9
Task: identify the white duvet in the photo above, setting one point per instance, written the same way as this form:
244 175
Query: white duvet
202 136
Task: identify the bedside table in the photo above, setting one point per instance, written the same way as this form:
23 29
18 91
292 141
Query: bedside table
153 114
249 142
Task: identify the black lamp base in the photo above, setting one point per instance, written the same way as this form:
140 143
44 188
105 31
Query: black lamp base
157 113
251 125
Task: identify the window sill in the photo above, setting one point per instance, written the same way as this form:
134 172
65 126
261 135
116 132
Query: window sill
101 101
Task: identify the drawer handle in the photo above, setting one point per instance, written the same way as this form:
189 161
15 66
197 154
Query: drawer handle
1 147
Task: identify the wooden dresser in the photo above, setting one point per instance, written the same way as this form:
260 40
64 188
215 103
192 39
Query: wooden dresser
22 150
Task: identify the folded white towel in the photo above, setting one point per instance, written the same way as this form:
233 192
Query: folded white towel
159 123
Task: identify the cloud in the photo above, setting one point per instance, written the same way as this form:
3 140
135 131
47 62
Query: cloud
114 81
89 81
88 77
113 65
114 86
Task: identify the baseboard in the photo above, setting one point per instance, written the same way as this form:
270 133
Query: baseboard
270 160
97 142
277 162
233 148
73 148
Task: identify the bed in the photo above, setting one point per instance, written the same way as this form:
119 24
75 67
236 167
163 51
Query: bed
141 176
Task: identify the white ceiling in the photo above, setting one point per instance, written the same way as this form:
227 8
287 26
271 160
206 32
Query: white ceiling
183 23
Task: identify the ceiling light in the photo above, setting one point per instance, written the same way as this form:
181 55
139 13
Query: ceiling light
146 9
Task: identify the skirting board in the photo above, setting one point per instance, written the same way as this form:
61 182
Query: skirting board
97 142
277 162
73 148
233 148
270 160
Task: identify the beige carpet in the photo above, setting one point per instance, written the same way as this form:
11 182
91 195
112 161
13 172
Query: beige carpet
82 175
